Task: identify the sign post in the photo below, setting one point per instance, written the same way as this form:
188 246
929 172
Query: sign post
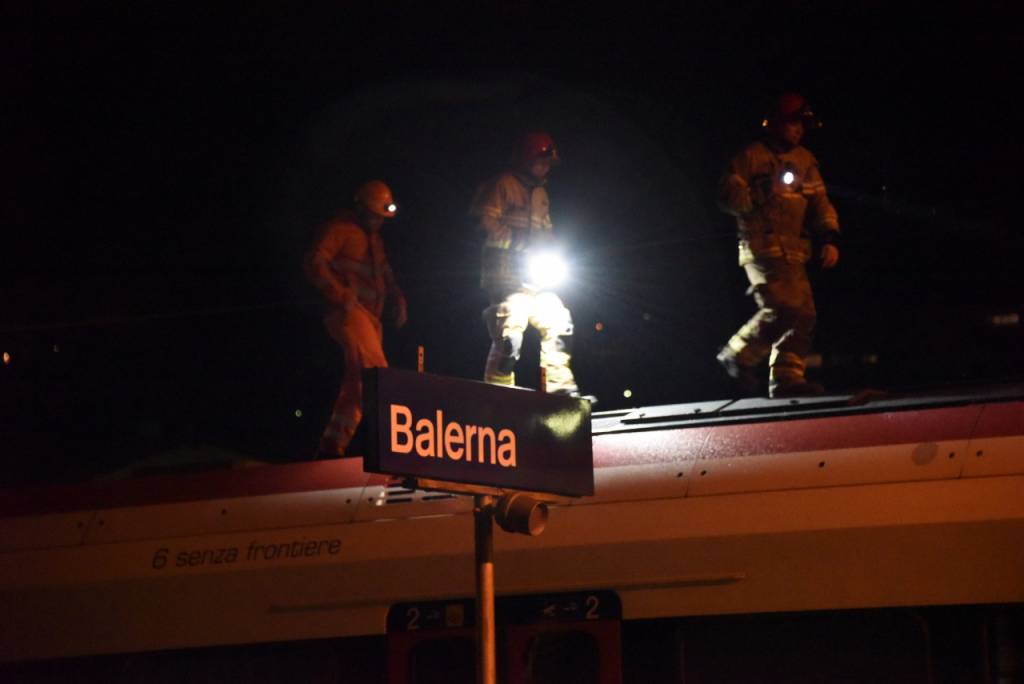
487 668
508 447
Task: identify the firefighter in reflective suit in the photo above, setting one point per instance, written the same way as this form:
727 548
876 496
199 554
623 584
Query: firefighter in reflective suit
512 212
349 268
775 191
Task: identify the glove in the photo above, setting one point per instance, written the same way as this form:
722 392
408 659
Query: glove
829 256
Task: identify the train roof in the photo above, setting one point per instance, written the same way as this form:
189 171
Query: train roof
752 410
255 478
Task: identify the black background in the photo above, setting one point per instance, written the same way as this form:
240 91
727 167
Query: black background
165 170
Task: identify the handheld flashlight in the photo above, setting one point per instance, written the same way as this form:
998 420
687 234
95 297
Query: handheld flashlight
546 270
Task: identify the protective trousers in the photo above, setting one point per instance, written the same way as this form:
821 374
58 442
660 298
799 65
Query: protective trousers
783 325
360 335
506 322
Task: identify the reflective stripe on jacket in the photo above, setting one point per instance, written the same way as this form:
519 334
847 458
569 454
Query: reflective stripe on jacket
776 223
514 214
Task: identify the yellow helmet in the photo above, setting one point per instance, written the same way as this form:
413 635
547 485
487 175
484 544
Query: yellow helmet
375 197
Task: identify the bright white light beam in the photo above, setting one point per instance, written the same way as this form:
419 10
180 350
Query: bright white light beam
547 270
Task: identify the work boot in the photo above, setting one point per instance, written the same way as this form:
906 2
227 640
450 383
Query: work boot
745 377
796 389
590 398
575 394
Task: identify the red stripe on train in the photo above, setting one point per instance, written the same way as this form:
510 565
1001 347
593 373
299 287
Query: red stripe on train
223 484
635 448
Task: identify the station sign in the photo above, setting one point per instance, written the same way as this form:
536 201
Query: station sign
472 433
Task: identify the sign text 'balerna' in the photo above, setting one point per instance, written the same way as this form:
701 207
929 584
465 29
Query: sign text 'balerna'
455 430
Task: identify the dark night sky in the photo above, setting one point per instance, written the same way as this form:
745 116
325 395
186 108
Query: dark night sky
165 171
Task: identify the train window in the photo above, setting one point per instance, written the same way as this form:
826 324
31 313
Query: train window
563 656
959 643
965 643
442 661
319 661
846 647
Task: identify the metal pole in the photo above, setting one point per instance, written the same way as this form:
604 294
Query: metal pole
483 512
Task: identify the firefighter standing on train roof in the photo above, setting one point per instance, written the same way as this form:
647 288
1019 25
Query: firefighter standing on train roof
513 213
349 268
775 191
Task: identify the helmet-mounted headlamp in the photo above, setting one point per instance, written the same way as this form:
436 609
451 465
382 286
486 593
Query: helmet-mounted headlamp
791 107
537 146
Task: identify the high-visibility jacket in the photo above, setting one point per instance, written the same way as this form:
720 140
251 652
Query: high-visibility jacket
513 211
780 223
348 264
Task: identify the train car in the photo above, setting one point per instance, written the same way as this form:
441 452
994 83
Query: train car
854 539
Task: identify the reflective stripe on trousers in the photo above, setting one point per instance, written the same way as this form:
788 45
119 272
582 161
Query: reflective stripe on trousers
506 323
360 335
783 325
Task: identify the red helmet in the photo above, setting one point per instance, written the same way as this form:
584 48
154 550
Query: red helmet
790 107
536 146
